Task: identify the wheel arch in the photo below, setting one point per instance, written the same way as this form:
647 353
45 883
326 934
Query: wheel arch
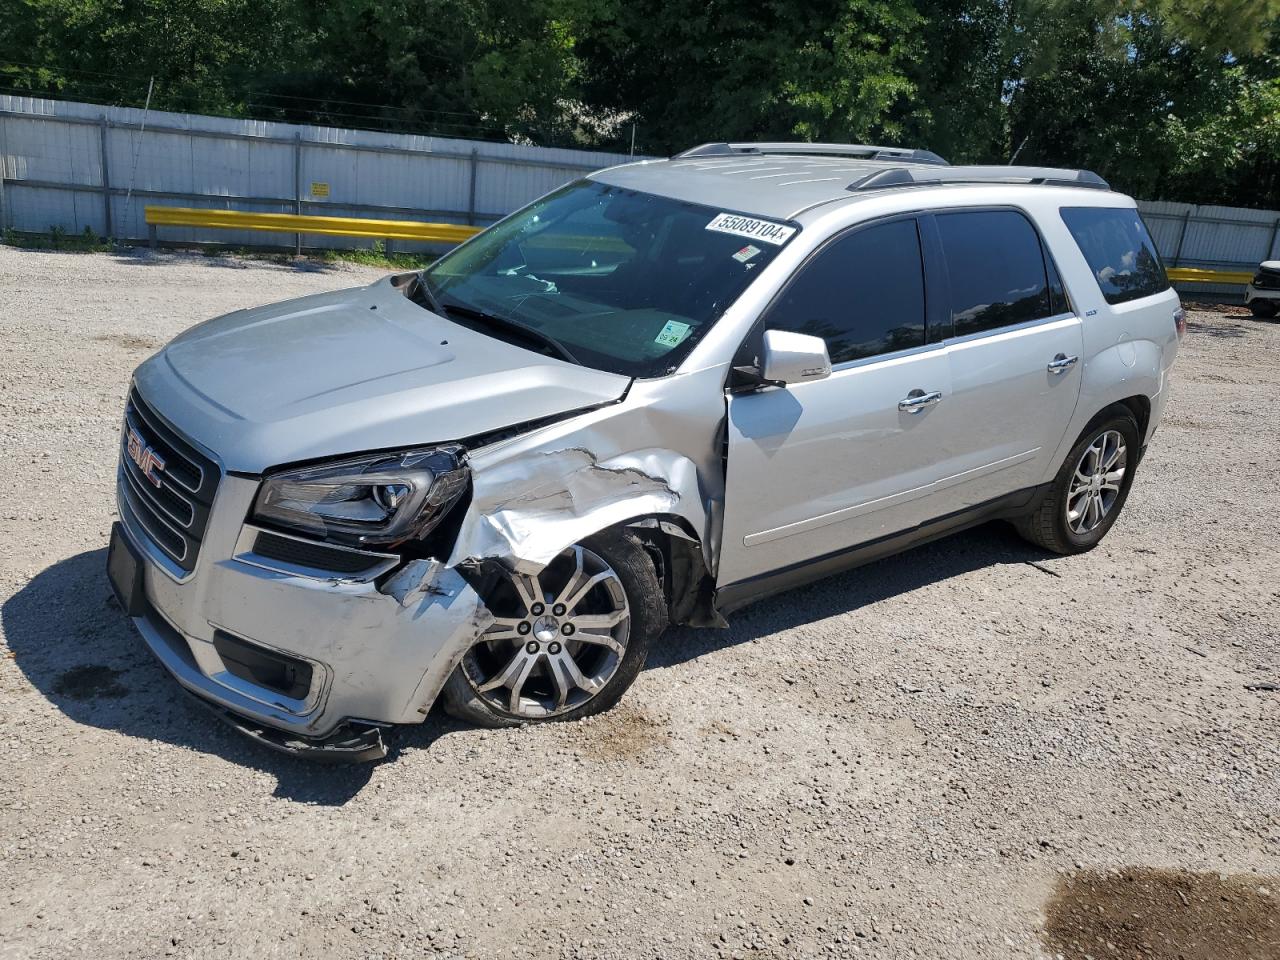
1140 406
1137 406
680 560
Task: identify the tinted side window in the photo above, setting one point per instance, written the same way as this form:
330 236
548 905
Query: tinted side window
996 270
1119 251
863 293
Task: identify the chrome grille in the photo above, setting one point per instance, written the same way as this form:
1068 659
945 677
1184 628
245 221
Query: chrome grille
169 504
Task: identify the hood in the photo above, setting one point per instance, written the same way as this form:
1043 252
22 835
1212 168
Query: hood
351 371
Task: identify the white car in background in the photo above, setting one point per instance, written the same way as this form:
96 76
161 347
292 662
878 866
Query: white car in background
1263 295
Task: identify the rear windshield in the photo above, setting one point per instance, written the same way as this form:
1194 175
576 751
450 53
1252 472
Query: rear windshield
626 281
1119 250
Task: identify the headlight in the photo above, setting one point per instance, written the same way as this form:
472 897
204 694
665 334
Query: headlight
380 499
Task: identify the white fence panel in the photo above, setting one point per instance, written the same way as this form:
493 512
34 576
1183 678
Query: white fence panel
45 209
1212 237
53 155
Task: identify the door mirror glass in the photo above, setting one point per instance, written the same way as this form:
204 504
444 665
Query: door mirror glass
793 358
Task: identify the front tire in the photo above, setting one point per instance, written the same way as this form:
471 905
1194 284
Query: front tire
1090 488
566 643
1265 309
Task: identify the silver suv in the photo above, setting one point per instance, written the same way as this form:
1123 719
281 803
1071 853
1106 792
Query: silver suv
648 398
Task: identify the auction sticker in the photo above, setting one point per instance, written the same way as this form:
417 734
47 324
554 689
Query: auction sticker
766 230
672 334
746 253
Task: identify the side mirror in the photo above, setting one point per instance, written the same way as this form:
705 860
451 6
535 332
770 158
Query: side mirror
793 358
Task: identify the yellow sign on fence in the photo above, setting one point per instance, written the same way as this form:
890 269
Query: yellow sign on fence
319 189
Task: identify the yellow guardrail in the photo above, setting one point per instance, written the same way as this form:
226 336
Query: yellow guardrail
1194 275
304 223
450 233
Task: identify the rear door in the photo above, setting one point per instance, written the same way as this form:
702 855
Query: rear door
1014 355
815 468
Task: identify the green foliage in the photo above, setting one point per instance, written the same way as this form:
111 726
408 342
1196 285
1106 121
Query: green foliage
201 53
378 258
697 70
1234 153
1120 88
1165 98
57 239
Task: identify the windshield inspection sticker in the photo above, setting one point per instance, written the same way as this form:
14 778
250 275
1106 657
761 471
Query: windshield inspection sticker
766 230
746 253
672 334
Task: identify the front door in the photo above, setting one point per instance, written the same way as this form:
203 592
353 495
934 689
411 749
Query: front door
815 468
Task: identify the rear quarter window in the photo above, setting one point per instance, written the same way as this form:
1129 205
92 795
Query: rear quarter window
1119 251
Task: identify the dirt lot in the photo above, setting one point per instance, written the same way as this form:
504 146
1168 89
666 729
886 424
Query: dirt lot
972 750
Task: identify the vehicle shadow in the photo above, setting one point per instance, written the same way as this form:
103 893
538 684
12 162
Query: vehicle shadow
72 642
989 545
1229 326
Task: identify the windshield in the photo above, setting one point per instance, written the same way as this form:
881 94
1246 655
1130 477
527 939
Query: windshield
618 280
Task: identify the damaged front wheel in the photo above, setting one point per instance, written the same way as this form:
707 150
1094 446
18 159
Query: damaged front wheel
564 643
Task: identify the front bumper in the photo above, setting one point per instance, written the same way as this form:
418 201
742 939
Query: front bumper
1253 292
350 743
375 651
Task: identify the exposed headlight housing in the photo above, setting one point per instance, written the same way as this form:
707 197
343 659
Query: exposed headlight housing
379 500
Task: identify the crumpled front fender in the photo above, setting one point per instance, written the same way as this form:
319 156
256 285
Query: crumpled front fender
525 511
654 454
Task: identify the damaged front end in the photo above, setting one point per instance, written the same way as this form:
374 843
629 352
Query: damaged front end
352 589
527 508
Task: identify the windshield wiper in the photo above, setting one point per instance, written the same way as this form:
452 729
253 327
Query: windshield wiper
424 288
453 309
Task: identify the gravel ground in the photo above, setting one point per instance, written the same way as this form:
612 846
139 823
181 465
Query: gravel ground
919 758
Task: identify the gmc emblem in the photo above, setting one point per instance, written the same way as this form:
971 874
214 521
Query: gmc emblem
148 461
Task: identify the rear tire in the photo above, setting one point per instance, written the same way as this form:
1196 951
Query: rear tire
533 664
1090 488
1266 309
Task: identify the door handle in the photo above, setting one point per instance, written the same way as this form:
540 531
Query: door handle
1061 364
917 400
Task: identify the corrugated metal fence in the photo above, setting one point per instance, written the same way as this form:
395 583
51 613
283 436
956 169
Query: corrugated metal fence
77 165
1212 238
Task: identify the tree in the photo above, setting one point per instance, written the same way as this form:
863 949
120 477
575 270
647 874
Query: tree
697 70
201 53
1233 155
1119 87
483 68
1165 98
1108 100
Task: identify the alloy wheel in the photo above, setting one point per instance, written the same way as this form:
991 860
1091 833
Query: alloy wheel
557 638
1096 484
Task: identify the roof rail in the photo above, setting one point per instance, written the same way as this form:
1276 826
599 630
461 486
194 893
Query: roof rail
862 151
917 177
